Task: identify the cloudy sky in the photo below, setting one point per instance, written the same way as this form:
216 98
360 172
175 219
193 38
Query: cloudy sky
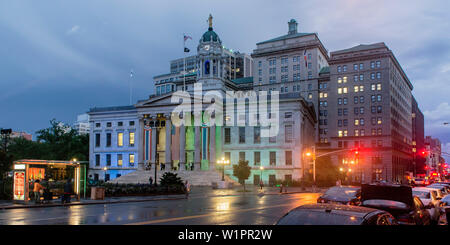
60 58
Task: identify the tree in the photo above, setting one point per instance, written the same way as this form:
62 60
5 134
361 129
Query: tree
242 171
169 179
326 172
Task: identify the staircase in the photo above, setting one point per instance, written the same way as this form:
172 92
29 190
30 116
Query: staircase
196 178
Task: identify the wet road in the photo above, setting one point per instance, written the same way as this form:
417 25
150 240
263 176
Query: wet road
199 208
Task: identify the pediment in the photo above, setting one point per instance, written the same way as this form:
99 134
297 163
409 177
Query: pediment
161 100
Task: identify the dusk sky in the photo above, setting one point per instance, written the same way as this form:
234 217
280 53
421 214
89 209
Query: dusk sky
60 58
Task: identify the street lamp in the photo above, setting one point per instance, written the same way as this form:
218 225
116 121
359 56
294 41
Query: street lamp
261 168
104 169
223 162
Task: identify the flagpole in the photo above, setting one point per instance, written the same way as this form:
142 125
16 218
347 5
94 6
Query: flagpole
131 76
184 62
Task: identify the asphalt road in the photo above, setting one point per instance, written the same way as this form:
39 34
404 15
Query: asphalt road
200 208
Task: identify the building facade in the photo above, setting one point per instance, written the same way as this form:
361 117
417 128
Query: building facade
82 124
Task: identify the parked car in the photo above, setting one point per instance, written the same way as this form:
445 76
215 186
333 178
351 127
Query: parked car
421 182
336 214
429 197
439 189
341 195
445 205
444 188
397 200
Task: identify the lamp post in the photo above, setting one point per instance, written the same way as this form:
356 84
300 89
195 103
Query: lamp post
261 168
104 169
223 162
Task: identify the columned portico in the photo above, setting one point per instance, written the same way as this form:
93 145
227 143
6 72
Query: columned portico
197 162
182 147
141 157
212 146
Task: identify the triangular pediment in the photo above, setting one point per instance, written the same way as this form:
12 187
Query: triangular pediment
160 100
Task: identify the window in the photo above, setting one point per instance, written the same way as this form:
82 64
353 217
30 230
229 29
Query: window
378 64
339 123
362 134
361 77
361 88
374 121
340 133
345 100
256 135
119 160
119 139
356 110
309 74
273 158
339 90
344 79
339 112
379 97
131 138
339 69
259 63
379 131
379 120
373 98
378 75
257 157
356 89
355 78
372 65
345 111
288 133
379 109
361 66
108 159
379 86
379 143
119 124
373 87
131 159
361 99
356 132
131 123
97 125
309 96
355 67
241 135
108 139
345 122
288 157
97 159
361 121
273 139
372 76
108 124
344 68
361 110
242 156
228 156
272 61
344 90
356 122
227 136
97 140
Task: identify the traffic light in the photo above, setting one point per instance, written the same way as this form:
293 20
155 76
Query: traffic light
424 153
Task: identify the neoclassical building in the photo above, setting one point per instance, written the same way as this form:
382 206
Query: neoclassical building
133 140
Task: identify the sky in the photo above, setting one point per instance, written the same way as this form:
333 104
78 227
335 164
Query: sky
60 58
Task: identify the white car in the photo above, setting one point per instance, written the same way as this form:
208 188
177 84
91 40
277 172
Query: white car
438 189
429 197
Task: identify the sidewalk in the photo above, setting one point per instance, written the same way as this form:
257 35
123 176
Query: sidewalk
108 200
199 191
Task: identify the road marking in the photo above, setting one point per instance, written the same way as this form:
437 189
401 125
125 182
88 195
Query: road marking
202 215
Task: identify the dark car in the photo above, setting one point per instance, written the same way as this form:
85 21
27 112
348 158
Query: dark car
336 214
341 195
397 200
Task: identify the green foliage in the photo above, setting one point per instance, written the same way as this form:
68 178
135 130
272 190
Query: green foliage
326 173
117 190
242 171
58 142
170 179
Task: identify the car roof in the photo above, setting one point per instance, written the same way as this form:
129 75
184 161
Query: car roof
393 192
422 189
340 209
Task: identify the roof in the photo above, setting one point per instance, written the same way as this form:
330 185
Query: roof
288 36
210 34
243 80
112 108
361 47
337 208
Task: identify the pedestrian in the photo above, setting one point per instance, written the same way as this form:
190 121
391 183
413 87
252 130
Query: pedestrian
338 182
67 192
187 186
281 188
37 189
261 184
150 180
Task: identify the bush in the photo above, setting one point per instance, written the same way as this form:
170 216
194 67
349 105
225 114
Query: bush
117 190
6 188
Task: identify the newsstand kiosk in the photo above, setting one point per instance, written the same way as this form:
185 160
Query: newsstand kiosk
52 172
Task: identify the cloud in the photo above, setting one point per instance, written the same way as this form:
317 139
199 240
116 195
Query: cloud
73 30
440 113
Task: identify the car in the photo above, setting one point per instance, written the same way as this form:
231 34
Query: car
341 195
336 214
398 200
445 205
441 192
429 197
444 188
421 182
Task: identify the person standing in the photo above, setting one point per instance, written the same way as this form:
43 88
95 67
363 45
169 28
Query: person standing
187 186
261 184
37 191
67 192
150 180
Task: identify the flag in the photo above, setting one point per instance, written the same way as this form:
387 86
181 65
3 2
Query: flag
148 143
186 50
304 57
187 37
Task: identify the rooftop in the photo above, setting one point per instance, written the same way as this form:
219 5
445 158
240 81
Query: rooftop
361 47
112 108
287 36
243 80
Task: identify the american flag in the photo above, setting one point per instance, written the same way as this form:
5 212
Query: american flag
187 37
304 57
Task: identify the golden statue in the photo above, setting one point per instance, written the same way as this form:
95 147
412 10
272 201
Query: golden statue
210 20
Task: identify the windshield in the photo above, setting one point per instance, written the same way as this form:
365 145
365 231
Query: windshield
341 191
422 194
308 217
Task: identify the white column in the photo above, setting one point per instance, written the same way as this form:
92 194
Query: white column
182 148
153 149
168 152
141 144
197 158
212 147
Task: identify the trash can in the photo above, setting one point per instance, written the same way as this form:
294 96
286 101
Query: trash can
98 193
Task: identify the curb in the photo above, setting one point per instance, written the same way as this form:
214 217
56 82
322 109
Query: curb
89 203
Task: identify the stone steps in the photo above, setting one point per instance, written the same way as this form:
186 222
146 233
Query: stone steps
196 178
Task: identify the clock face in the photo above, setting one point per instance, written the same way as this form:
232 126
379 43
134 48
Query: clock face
206 47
